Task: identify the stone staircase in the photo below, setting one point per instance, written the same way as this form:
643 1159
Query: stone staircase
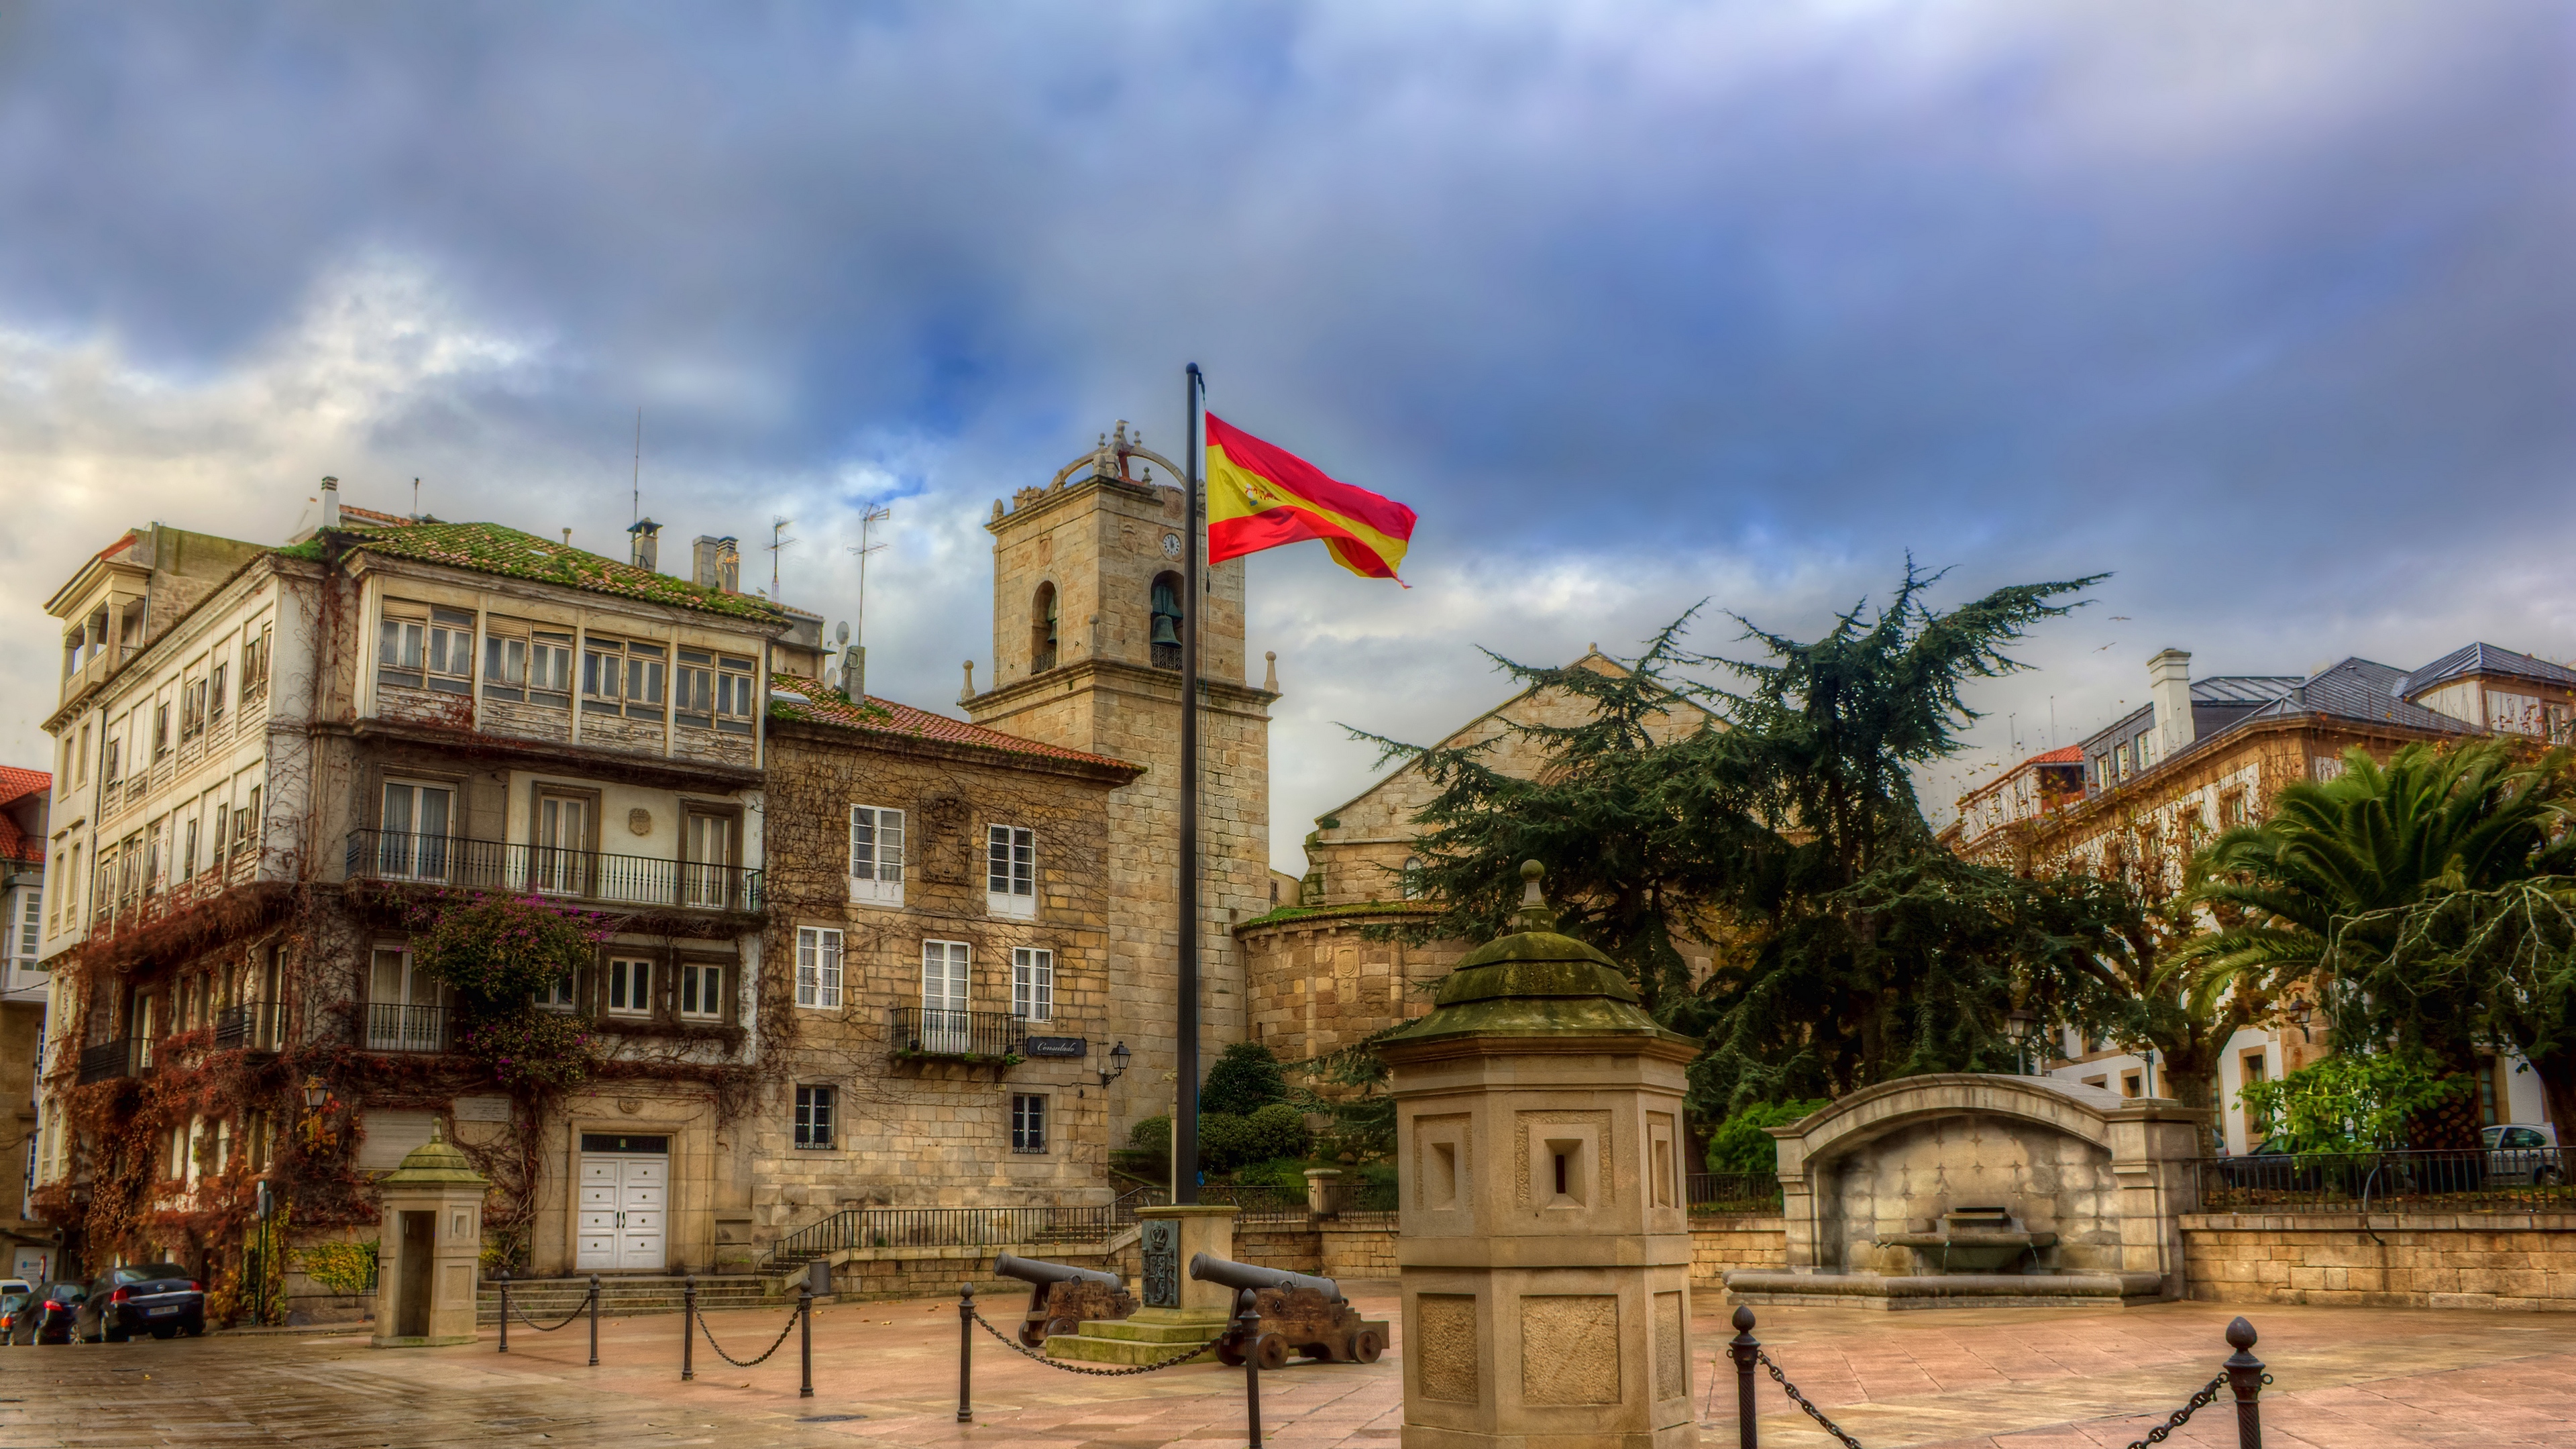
547 1300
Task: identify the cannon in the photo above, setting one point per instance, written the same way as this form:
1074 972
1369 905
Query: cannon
1061 1296
1299 1313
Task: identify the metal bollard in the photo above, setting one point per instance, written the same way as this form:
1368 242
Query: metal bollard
688 1328
1745 1347
503 1277
594 1320
965 1353
2245 1376
1247 1323
805 1307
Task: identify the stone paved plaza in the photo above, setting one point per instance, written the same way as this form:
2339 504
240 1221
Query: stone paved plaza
1989 1379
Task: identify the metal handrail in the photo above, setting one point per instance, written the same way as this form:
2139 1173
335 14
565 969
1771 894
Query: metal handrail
576 875
108 1060
258 1026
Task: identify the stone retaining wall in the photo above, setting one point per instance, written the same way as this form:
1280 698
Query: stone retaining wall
2414 1260
1718 1244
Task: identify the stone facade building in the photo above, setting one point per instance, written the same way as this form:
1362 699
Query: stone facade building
2206 754
1334 967
26 1245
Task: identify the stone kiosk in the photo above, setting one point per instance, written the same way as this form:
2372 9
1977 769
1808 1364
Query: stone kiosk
429 1248
1544 1251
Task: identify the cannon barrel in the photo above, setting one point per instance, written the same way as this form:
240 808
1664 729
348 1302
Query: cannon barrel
1038 1270
1246 1275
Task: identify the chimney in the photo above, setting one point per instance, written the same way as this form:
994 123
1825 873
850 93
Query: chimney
854 673
648 548
330 503
714 564
2169 685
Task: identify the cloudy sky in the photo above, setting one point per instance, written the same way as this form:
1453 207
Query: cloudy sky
2265 310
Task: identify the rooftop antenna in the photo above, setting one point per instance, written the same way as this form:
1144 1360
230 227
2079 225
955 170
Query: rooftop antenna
639 467
868 519
778 539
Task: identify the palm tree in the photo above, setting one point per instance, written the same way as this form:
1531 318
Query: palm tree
2323 890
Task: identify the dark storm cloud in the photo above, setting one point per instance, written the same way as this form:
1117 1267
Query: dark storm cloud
1753 296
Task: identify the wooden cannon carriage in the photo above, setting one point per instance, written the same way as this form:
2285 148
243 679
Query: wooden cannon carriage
1299 1313
1061 1296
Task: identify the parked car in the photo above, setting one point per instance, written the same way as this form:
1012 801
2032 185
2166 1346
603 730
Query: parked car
2270 1167
162 1299
2524 1152
55 1312
17 1308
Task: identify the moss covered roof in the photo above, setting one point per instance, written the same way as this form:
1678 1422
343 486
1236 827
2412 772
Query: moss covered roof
492 548
1282 915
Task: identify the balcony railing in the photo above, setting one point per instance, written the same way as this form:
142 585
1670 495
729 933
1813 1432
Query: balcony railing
391 1027
574 875
108 1060
258 1026
922 1031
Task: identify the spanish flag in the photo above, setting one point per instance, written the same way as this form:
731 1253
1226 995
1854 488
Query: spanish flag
1261 497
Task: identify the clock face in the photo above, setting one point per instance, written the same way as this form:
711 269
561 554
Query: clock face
1171 545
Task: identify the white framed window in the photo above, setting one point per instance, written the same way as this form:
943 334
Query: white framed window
734 694
702 989
1028 1122
693 689
947 971
402 642
818 967
450 658
814 1119
630 986
1011 872
561 994
876 856
412 845
254 670
1032 983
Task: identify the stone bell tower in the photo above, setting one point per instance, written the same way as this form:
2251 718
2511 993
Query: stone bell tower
1088 614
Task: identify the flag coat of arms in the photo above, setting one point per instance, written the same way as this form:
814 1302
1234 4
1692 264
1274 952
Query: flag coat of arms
1262 496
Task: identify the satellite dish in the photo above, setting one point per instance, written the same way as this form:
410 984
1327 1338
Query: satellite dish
841 635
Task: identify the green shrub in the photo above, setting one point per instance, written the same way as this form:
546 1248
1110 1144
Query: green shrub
1277 1172
1278 1130
348 1269
1245 1079
1740 1145
1153 1134
2349 1102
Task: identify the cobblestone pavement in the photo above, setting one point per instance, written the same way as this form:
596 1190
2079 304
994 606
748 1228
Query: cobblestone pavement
886 1374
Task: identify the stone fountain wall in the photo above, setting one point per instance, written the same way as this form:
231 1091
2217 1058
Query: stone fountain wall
2052 1181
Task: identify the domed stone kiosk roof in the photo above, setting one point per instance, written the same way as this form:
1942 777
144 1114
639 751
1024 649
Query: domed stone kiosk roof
433 1163
1536 981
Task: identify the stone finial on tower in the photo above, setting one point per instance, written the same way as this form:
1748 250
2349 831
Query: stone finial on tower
1270 670
1535 914
968 692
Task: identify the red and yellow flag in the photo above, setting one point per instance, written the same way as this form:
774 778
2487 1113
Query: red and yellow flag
1261 497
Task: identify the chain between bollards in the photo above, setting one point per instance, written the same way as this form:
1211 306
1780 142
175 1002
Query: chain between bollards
689 1328
504 1277
594 1320
965 1353
2245 1375
1247 1321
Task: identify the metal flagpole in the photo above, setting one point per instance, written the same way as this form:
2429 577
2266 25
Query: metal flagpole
1185 1105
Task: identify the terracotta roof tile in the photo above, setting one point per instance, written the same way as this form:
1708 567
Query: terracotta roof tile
816 703
492 548
17 785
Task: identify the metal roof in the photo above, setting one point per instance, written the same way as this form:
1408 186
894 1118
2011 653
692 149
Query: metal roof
2479 659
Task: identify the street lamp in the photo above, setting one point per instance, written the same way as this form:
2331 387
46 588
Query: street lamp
1117 1064
2298 1011
315 1094
2020 1025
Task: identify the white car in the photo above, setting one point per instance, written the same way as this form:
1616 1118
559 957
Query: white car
2524 1152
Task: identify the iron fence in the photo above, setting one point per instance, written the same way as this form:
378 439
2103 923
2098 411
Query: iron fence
1258 1202
937 1033
982 1227
2515 1179
1733 1194
572 875
258 1026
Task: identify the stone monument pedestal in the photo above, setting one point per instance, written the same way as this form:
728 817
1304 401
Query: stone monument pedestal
1178 1310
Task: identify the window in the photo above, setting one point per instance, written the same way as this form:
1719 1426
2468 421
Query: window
1011 872
2250 1069
2322 768
818 967
706 852
693 699
2232 810
2515 714
733 694
814 1118
402 1005
402 641
188 851
1032 983
451 651
218 846
215 697
1167 621
1028 1123
245 822
153 864
562 863
111 759
1410 883
876 856
1042 630
702 989
192 709
28 926
160 731
505 659
946 969
630 986
254 670
603 674
2120 760
644 677
561 994
81 761
412 843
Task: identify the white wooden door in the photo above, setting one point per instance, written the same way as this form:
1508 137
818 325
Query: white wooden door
623 1203
945 1024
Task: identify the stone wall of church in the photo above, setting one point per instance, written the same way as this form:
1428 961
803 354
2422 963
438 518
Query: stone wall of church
1320 983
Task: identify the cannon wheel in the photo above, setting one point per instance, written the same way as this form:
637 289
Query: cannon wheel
1066 1326
1228 1352
1031 1334
1270 1351
1366 1345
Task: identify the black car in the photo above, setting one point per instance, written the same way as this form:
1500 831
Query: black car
162 1299
53 1313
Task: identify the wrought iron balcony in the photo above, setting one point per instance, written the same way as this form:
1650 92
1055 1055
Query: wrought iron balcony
573 875
392 1027
920 1031
105 1062
258 1026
